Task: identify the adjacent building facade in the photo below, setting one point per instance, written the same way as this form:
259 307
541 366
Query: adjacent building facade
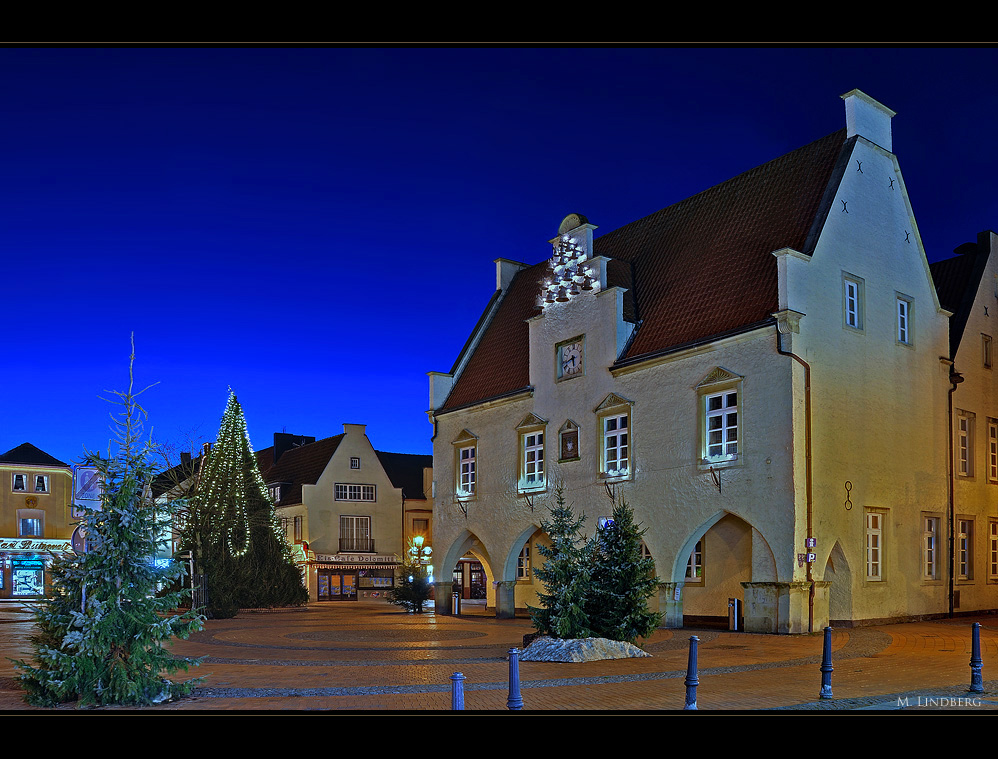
761 371
36 519
348 509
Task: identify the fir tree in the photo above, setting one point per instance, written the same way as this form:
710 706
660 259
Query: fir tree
101 633
562 613
413 588
621 580
233 531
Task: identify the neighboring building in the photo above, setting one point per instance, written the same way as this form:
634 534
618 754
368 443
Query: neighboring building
965 532
36 518
348 509
755 370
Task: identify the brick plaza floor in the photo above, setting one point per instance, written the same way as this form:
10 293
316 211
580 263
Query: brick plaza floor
370 656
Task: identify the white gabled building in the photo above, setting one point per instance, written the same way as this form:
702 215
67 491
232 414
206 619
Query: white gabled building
756 370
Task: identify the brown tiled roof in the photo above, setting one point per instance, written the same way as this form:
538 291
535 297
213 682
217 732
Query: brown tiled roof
298 466
26 453
957 280
695 271
405 470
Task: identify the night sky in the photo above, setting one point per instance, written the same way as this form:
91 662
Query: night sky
316 227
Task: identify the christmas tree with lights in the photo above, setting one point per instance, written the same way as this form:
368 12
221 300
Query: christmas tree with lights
101 633
233 532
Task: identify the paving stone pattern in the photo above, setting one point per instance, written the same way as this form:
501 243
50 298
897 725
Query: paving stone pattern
375 657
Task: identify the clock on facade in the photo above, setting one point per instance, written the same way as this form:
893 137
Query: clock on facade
571 358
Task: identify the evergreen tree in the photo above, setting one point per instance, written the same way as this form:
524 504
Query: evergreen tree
101 633
621 580
562 613
413 588
233 531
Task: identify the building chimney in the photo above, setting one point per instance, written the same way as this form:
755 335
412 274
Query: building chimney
868 118
285 441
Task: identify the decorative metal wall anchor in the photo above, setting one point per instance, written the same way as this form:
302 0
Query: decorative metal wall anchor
848 503
715 475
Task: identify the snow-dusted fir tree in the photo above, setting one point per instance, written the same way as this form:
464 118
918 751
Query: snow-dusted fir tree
562 612
232 529
101 634
621 580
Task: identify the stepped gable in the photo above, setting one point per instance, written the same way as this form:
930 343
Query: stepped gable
695 271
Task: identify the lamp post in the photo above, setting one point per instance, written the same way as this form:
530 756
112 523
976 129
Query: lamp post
420 555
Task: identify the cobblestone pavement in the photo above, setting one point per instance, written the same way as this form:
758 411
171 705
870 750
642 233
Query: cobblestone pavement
375 657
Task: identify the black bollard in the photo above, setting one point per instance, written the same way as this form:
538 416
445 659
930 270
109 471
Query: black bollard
514 702
826 666
692 681
457 692
976 663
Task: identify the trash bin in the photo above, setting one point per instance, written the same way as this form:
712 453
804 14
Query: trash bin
734 613
456 604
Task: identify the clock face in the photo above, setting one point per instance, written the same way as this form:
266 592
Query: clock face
571 359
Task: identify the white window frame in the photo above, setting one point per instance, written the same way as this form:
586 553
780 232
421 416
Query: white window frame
532 460
875 545
993 450
722 433
615 439
467 475
17 478
965 444
993 550
355 462
694 567
853 302
964 548
355 528
348 491
299 521
930 547
903 310
523 563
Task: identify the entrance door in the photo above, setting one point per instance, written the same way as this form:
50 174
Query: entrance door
336 585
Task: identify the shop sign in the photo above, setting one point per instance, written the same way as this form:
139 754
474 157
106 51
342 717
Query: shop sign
35 544
358 558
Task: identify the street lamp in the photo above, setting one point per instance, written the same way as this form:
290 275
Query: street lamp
420 555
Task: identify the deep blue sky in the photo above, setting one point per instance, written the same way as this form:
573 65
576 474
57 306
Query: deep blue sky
315 227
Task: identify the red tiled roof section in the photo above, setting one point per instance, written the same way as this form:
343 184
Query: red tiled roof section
299 466
696 270
704 266
500 363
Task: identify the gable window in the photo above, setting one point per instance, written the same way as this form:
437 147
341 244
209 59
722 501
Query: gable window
19 482
616 445
719 402
721 411
903 320
531 433
468 458
986 355
41 483
852 302
348 492
355 534
355 462
930 548
694 567
874 545
465 465
965 445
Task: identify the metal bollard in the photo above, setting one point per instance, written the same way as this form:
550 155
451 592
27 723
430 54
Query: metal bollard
826 666
514 702
976 663
457 692
692 681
